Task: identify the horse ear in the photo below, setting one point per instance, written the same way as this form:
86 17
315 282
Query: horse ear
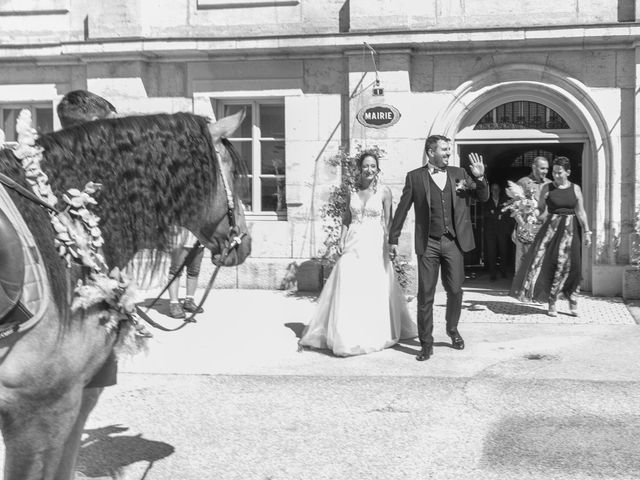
227 125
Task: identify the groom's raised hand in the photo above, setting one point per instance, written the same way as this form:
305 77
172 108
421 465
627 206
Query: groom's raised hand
477 165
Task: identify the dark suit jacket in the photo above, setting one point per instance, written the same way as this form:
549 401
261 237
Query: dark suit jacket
416 192
496 221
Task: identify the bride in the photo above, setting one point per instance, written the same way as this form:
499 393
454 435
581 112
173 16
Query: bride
361 308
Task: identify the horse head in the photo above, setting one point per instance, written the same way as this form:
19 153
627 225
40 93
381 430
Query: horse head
157 172
227 221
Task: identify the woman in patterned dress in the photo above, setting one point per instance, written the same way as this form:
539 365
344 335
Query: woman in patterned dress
553 265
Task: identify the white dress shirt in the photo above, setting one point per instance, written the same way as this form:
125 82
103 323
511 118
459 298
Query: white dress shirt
439 175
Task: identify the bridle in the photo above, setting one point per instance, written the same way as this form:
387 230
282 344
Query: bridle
233 241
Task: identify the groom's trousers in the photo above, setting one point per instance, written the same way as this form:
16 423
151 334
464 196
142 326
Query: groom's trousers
441 253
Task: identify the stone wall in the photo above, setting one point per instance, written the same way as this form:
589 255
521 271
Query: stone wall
36 21
323 88
441 14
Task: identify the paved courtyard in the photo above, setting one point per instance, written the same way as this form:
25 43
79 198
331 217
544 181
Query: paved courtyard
231 397
255 332
490 302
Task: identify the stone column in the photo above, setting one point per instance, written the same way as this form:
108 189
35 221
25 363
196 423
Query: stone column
635 199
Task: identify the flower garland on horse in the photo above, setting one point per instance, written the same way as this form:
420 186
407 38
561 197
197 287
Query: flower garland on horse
78 239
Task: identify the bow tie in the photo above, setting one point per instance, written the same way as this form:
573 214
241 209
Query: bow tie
433 169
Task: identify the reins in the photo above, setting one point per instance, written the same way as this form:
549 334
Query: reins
235 243
10 183
234 239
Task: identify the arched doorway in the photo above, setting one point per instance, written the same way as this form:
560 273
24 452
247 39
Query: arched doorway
585 141
509 136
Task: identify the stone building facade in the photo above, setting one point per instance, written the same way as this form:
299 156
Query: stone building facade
506 79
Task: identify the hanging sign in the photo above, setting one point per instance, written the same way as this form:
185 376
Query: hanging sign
378 116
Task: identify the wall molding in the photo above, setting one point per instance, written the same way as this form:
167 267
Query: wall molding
22 8
219 4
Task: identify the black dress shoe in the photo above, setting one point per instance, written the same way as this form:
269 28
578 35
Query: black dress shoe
425 353
457 342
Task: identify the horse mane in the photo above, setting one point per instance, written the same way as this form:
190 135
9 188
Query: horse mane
157 172
37 219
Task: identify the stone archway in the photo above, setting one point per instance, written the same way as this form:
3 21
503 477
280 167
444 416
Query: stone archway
574 101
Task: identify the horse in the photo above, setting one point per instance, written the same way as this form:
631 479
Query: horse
157 172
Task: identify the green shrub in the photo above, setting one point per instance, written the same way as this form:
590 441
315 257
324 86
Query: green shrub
635 241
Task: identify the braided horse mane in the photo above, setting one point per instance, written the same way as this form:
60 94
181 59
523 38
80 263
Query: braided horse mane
157 171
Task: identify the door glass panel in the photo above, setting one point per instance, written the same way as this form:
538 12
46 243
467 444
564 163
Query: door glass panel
272 121
272 157
273 194
9 117
44 120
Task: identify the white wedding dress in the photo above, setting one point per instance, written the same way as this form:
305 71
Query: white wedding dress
361 308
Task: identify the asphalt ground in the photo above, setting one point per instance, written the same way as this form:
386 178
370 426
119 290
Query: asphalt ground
363 427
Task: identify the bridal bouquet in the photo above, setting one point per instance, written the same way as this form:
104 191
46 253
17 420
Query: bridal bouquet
523 204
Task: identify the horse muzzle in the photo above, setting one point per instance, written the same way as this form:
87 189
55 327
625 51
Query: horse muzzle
232 251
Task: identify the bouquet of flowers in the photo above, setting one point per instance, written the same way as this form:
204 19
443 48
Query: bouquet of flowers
462 186
523 204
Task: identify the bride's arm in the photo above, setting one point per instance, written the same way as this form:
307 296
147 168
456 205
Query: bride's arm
387 202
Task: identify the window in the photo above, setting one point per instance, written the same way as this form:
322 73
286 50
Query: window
526 159
41 115
260 142
522 114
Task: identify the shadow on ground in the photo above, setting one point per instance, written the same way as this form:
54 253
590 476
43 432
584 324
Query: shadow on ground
505 308
596 446
296 327
161 306
411 346
302 295
105 452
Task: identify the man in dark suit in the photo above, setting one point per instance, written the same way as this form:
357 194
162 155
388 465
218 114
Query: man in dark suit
440 195
497 226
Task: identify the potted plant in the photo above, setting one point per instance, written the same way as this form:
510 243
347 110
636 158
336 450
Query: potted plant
631 278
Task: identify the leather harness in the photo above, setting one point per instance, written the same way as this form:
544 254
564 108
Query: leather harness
12 262
12 266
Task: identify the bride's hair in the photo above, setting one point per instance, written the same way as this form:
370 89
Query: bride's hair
359 160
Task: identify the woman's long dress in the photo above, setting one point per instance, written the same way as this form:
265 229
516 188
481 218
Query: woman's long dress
553 264
361 308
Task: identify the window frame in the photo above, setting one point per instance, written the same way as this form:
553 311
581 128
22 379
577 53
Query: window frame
256 153
496 122
32 106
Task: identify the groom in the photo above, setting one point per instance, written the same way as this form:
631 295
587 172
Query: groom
441 195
